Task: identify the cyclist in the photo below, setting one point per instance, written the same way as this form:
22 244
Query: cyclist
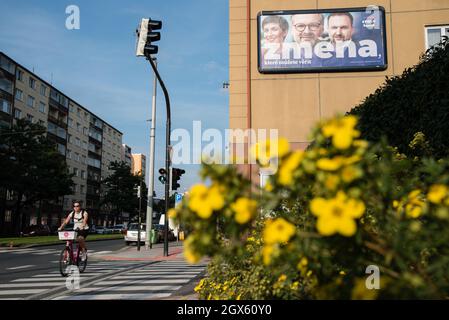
79 217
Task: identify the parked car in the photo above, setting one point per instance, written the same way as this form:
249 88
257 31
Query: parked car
132 233
160 231
92 229
35 230
100 230
118 228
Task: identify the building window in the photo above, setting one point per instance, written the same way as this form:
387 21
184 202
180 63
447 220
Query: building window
75 172
19 94
61 149
42 123
81 189
32 83
42 107
43 90
77 157
69 138
6 85
78 112
29 117
8 215
69 154
17 114
70 123
78 142
78 127
435 34
30 102
85 145
19 75
75 188
71 108
85 131
5 106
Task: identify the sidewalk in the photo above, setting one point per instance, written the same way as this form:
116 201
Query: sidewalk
175 252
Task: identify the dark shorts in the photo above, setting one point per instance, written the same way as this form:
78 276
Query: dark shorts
83 233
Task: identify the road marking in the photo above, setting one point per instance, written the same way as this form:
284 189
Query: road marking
39 279
99 252
20 292
149 277
138 296
129 288
30 285
155 281
21 267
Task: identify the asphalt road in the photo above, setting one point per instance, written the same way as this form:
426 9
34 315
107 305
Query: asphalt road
22 262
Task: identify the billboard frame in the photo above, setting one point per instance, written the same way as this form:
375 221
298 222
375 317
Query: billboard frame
322 69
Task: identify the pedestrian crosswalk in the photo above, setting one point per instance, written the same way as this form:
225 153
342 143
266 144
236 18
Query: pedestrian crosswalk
155 281
22 288
43 252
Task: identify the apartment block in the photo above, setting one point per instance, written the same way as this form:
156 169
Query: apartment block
86 141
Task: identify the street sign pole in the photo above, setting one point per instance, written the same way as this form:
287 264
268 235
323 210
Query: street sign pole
139 196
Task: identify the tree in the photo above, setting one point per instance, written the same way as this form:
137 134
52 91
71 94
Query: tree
415 102
31 167
121 189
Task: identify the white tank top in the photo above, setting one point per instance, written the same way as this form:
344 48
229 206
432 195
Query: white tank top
78 220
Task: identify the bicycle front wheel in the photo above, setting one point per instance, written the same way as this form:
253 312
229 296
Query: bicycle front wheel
65 260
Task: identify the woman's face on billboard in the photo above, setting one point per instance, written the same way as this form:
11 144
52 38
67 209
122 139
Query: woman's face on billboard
273 33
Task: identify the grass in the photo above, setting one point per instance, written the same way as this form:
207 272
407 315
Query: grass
24 241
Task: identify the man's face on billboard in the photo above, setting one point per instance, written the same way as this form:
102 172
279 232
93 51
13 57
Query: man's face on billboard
307 27
340 28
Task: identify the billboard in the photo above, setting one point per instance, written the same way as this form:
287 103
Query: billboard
323 40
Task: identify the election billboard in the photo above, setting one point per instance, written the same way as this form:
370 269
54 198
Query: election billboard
322 40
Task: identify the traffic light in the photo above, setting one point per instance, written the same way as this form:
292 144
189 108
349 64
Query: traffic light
146 36
176 176
163 175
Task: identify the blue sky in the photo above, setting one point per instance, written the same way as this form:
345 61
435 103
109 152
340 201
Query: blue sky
97 66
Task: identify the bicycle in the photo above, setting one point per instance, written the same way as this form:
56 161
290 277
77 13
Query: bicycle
68 256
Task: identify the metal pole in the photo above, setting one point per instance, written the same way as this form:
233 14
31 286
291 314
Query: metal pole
149 225
167 152
139 228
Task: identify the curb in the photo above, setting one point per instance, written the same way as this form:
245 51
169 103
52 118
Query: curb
51 244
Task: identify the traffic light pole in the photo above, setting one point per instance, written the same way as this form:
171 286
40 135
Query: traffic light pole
149 218
167 152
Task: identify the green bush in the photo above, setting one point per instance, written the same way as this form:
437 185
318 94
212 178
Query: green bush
416 101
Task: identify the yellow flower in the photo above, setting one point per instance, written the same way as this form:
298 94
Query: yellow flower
282 278
278 231
361 292
288 166
337 214
172 213
342 273
349 174
266 150
437 193
268 186
342 131
415 205
332 182
204 201
267 251
199 286
244 209
189 253
294 285
333 164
